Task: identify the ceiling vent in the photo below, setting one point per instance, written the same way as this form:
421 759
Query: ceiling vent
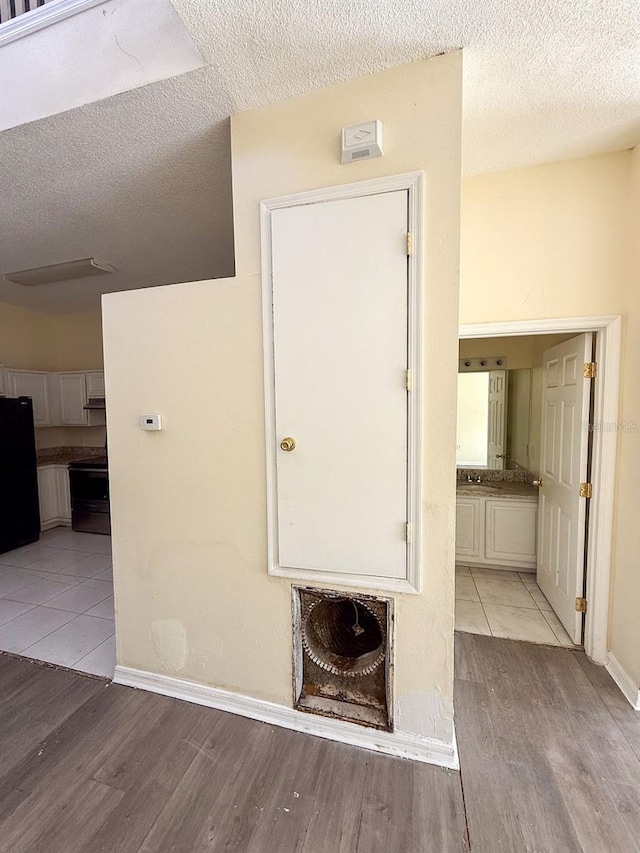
59 272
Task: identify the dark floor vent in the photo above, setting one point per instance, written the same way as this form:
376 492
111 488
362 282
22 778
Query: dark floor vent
342 656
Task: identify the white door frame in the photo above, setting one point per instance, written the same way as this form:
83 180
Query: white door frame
605 415
413 182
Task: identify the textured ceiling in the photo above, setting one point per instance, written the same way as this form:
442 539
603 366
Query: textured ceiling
142 179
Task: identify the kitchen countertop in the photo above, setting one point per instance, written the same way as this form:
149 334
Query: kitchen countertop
497 489
64 455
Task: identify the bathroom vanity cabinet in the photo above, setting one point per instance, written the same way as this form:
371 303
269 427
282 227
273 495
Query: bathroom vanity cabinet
496 531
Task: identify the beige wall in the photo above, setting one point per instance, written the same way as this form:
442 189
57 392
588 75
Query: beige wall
517 350
77 340
625 599
25 338
33 340
193 596
561 240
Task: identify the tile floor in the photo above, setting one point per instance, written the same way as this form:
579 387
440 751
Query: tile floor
56 601
507 604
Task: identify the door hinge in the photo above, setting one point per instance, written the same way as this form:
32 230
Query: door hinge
586 490
409 244
581 605
409 380
407 532
590 370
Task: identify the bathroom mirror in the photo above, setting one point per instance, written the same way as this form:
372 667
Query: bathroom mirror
493 419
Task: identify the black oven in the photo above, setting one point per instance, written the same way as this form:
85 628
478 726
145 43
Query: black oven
89 480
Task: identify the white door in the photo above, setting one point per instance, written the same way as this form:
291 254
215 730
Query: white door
340 351
563 466
497 429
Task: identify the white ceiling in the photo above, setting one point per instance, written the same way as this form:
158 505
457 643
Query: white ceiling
142 179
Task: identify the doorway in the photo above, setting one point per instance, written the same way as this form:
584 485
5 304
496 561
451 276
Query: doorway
598 525
500 529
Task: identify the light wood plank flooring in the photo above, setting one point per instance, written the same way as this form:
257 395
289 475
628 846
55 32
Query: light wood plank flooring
550 762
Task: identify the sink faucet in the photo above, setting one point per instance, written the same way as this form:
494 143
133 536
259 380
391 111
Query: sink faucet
476 479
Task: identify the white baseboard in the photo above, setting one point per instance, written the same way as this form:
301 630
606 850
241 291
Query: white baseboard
624 681
55 522
400 744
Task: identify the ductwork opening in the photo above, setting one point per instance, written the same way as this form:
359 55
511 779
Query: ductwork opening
343 656
343 636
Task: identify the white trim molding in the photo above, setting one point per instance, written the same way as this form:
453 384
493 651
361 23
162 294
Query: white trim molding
627 685
413 183
399 744
44 16
608 342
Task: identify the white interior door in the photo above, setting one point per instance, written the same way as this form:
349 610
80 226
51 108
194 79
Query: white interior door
497 443
564 459
340 286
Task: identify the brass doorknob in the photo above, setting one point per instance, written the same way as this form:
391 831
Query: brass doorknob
288 444
537 482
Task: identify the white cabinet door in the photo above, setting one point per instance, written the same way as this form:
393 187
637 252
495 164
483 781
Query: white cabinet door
31 383
511 532
3 381
55 496
63 494
72 389
468 528
496 532
95 383
48 496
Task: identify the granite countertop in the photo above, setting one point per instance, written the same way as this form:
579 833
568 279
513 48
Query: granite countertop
64 455
497 489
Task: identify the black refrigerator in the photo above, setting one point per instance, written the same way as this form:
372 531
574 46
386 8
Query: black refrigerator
19 509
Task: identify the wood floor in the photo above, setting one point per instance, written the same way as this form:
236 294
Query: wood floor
550 763
549 750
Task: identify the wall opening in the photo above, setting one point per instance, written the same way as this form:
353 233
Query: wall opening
342 656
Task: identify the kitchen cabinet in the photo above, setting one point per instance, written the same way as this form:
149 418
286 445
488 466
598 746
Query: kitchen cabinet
34 384
496 531
54 495
59 399
95 383
3 381
69 394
